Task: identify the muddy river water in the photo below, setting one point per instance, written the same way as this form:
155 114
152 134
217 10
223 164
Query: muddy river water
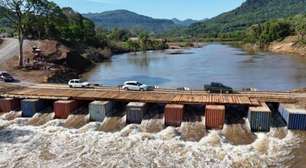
198 66
45 142
53 145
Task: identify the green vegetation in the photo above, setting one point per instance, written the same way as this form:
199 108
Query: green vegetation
88 44
276 30
249 13
20 13
135 23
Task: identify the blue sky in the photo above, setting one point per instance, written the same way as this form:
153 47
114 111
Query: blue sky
182 9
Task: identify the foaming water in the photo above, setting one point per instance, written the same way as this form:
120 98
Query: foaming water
192 131
112 124
11 115
52 145
41 118
76 121
238 134
152 125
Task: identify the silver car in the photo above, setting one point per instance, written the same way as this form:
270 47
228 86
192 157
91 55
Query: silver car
136 86
78 83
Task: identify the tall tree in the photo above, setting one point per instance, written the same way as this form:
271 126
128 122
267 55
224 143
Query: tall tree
301 29
18 12
144 40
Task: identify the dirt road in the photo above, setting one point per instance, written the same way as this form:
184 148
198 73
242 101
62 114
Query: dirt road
9 48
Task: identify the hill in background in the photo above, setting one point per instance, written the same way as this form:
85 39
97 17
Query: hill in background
249 13
186 22
125 19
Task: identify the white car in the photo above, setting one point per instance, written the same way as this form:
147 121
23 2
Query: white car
78 83
137 86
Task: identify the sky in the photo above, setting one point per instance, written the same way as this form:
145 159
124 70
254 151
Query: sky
181 9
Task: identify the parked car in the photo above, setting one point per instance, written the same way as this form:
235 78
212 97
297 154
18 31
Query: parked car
137 86
6 77
215 87
249 89
78 83
183 89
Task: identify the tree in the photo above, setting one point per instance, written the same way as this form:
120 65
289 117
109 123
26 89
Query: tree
144 40
132 45
301 29
19 12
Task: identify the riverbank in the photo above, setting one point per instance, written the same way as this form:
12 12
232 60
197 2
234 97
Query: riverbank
58 63
290 45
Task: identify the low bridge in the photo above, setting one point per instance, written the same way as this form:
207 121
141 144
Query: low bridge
167 96
258 107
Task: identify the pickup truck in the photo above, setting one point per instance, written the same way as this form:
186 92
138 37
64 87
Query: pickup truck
215 87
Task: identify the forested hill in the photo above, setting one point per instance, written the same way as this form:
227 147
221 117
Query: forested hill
125 19
186 22
249 13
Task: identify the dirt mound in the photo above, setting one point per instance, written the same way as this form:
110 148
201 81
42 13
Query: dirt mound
289 45
50 48
53 51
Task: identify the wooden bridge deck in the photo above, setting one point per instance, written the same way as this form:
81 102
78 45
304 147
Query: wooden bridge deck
62 92
129 96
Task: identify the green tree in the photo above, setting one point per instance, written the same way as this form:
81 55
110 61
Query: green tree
301 29
19 12
133 45
144 40
119 34
253 33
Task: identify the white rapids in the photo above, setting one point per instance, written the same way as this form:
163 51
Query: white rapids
52 145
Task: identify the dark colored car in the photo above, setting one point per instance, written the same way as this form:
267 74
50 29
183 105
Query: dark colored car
215 87
4 76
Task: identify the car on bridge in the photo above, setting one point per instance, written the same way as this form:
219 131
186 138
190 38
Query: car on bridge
78 83
136 86
183 89
6 77
215 87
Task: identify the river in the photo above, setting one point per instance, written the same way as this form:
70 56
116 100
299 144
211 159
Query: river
198 66
53 145
46 142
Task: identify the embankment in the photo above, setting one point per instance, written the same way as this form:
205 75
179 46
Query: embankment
290 45
57 63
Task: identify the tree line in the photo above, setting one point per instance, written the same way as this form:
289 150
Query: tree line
43 19
277 30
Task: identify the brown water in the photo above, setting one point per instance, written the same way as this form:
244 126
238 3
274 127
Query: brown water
191 145
214 62
76 142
